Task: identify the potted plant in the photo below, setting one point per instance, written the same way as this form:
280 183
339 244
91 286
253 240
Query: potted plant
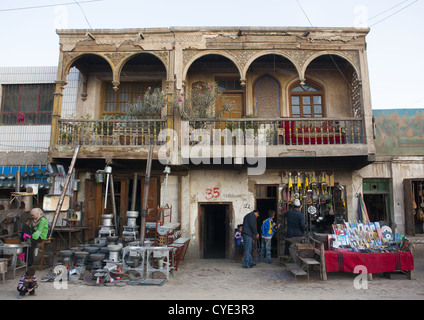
199 102
147 106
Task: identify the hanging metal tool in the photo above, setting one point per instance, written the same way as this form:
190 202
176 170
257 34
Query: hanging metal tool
65 188
167 171
108 171
145 196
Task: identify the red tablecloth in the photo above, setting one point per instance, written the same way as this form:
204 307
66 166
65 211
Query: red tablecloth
375 262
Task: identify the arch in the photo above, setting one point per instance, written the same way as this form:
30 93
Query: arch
70 63
124 61
206 53
271 92
264 53
324 53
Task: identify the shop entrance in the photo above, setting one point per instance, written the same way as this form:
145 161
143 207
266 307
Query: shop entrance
214 229
377 199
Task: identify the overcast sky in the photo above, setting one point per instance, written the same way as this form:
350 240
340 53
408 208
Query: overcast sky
395 42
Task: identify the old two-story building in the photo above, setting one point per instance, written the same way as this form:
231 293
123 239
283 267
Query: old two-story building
303 92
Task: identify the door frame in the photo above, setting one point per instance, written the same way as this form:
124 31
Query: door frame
229 234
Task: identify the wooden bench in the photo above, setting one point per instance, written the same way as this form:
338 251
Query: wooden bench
303 265
296 270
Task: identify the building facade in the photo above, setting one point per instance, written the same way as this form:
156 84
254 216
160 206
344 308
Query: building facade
304 94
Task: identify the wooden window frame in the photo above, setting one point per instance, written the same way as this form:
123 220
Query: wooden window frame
311 94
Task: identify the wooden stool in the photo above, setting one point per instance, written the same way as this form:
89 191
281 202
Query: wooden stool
42 247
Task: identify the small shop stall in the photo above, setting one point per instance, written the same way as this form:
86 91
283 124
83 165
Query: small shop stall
369 247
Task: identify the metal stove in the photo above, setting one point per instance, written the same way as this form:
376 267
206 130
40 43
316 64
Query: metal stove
131 229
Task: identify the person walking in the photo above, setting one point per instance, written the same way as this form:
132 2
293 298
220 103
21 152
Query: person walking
267 232
250 233
295 224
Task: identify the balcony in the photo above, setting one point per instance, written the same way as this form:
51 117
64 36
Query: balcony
281 139
286 131
107 138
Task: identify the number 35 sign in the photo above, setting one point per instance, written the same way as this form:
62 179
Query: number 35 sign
212 193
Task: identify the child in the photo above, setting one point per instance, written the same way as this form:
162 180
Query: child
27 283
238 238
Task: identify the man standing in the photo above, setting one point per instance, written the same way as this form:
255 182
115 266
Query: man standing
250 233
267 231
295 224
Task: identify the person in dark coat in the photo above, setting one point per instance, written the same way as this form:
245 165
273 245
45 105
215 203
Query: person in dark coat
250 233
295 224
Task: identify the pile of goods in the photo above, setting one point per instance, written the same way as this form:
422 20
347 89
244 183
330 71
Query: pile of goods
367 237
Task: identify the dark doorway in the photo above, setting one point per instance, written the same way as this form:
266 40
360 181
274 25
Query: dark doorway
376 205
214 228
266 199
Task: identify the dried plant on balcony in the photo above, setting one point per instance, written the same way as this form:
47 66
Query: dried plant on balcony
147 106
200 102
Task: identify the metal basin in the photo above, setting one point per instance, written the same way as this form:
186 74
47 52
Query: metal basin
66 253
18 247
97 256
132 214
114 247
92 249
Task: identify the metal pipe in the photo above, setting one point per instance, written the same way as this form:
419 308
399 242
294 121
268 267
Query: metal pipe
112 194
134 192
145 196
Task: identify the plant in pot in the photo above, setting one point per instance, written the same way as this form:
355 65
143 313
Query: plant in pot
104 129
148 106
199 103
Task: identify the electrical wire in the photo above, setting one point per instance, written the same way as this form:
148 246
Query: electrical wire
304 12
393 13
82 10
47 5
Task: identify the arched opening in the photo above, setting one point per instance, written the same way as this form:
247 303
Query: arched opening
264 77
342 85
140 73
223 71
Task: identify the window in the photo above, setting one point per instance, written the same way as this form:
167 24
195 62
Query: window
116 102
306 101
30 104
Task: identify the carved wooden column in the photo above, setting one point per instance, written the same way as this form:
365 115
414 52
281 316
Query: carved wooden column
57 111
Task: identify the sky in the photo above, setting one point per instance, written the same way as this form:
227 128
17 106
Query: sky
395 43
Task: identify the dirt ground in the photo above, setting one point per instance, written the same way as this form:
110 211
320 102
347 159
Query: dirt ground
227 280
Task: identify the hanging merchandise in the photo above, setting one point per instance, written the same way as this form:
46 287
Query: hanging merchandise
362 210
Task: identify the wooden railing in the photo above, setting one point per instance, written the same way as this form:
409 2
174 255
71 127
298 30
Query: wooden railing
285 131
110 132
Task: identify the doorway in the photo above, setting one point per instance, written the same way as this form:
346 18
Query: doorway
214 230
266 199
377 199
